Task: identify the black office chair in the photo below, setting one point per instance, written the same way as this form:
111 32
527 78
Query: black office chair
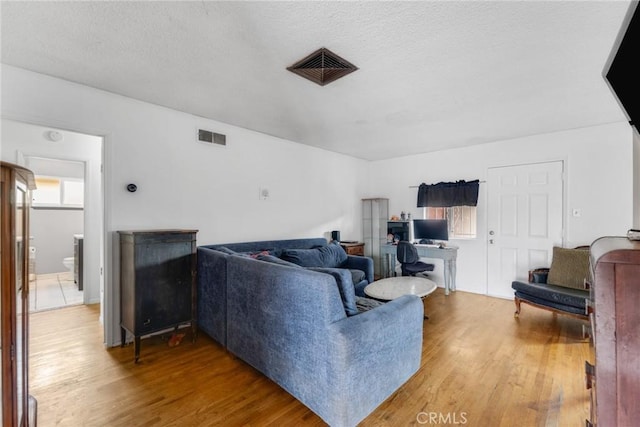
409 260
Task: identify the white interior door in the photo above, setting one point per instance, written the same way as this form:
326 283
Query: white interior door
525 211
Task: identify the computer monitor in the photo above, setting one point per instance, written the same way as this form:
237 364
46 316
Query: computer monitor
428 230
399 230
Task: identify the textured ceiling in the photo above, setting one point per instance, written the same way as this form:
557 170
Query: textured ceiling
432 75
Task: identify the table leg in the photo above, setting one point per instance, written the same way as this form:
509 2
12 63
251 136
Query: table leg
423 313
392 265
449 276
136 349
453 274
388 266
447 283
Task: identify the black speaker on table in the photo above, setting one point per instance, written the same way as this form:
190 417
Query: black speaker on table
335 235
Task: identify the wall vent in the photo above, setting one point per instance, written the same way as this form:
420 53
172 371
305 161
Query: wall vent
322 67
211 137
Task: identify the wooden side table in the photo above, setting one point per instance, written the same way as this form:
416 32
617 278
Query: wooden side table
356 248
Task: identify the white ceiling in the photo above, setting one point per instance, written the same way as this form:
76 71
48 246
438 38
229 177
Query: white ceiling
432 75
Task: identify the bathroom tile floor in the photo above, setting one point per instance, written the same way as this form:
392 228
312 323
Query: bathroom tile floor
54 290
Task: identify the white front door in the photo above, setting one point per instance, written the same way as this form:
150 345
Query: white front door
524 221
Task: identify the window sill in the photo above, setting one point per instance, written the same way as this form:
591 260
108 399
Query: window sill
57 208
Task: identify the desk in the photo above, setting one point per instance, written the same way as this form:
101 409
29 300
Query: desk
448 256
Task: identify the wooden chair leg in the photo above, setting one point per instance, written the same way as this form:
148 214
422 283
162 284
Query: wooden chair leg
517 301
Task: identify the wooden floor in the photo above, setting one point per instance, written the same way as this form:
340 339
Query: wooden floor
480 367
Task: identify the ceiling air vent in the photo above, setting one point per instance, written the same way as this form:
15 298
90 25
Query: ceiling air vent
211 137
322 67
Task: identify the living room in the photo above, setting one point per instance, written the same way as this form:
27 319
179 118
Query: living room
183 183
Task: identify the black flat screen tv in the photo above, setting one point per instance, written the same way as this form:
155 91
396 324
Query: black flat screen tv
623 70
430 230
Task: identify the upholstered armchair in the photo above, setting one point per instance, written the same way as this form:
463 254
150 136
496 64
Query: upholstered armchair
562 288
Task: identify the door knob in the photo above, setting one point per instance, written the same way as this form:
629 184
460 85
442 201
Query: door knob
491 233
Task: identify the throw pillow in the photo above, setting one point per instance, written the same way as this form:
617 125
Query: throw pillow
569 267
276 260
345 286
257 254
357 276
366 304
330 256
224 250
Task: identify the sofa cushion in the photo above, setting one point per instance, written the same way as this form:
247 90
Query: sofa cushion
357 276
345 286
252 254
330 256
224 250
569 267
276 260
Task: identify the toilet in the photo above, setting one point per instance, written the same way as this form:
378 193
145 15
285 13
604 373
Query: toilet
69 262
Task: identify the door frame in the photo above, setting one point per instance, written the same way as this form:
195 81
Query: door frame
106 287
565 169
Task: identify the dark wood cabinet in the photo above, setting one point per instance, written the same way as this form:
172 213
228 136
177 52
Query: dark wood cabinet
157 282
78 260
615 393
18 408
351 248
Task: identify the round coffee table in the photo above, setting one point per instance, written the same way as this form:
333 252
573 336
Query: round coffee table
394 287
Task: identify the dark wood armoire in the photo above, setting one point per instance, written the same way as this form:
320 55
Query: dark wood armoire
18 408
157 282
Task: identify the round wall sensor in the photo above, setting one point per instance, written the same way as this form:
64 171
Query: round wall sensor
55 136
131 188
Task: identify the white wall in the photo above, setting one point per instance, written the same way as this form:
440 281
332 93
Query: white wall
598 173
186 184
52 231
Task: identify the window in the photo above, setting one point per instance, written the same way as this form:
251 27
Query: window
462 220
58 192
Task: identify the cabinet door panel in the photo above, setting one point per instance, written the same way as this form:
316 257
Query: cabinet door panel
163 285
628 362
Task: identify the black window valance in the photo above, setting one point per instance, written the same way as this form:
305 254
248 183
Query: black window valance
446 194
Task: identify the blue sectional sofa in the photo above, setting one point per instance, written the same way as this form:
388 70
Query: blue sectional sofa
292 324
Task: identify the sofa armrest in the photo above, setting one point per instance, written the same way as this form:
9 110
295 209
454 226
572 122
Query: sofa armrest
380 349
360 263
212 293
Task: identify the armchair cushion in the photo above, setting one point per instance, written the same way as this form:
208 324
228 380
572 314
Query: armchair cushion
569 267
559 297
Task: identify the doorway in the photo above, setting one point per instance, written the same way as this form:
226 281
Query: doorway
525 221
30 145
57 230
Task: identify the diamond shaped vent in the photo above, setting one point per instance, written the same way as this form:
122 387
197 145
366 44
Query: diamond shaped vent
322 67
